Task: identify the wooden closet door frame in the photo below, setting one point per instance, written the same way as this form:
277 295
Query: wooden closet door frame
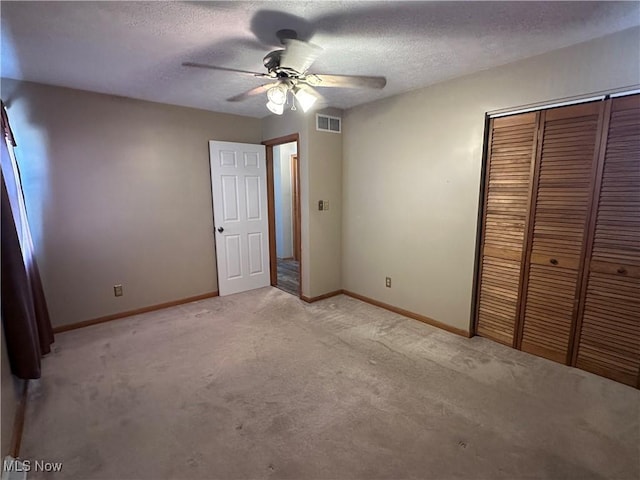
603 124
480 229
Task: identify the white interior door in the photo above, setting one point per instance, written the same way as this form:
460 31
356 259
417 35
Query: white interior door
239 184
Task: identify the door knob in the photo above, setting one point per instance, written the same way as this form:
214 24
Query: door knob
220 229
553 261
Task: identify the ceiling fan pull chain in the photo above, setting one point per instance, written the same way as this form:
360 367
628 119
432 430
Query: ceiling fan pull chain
293 101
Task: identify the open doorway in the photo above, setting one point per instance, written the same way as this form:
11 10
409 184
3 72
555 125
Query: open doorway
285 167
283 185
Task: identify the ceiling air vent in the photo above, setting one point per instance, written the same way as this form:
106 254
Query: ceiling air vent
327 123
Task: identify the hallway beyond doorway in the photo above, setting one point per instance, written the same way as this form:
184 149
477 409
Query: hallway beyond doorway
288 275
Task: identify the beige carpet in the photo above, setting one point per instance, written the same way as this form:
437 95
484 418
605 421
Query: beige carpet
261 385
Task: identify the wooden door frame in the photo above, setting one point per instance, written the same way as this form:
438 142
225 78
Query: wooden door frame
295 192
480 227
273 259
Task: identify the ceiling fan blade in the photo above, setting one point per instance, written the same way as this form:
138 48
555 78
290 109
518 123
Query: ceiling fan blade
345 81
251 93
299 56
224 69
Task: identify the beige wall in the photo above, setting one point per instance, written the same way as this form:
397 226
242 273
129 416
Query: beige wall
325 183
412 172
321 179
118 191
10 399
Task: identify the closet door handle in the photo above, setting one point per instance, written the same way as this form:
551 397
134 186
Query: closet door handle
553 261
622 270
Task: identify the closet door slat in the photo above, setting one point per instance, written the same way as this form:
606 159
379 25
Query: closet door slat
609 334
507 191
562 202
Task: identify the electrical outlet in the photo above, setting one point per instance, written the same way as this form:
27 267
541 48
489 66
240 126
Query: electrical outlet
320 205
117 290
326 204
388 282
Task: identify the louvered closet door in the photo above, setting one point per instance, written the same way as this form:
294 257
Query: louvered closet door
507 190
609 342
562 202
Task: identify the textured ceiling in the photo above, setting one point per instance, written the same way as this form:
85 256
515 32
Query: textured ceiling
135 49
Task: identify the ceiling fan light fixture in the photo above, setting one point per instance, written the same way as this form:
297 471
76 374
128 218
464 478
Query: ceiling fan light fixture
305 98
278 94
278 109
288 71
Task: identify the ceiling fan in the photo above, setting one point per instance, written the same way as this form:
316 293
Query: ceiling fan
288 71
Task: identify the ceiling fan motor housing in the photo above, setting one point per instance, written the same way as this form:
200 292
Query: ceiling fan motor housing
286 34
272 63
272 60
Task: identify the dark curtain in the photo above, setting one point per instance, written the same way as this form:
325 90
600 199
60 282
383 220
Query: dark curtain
25 317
